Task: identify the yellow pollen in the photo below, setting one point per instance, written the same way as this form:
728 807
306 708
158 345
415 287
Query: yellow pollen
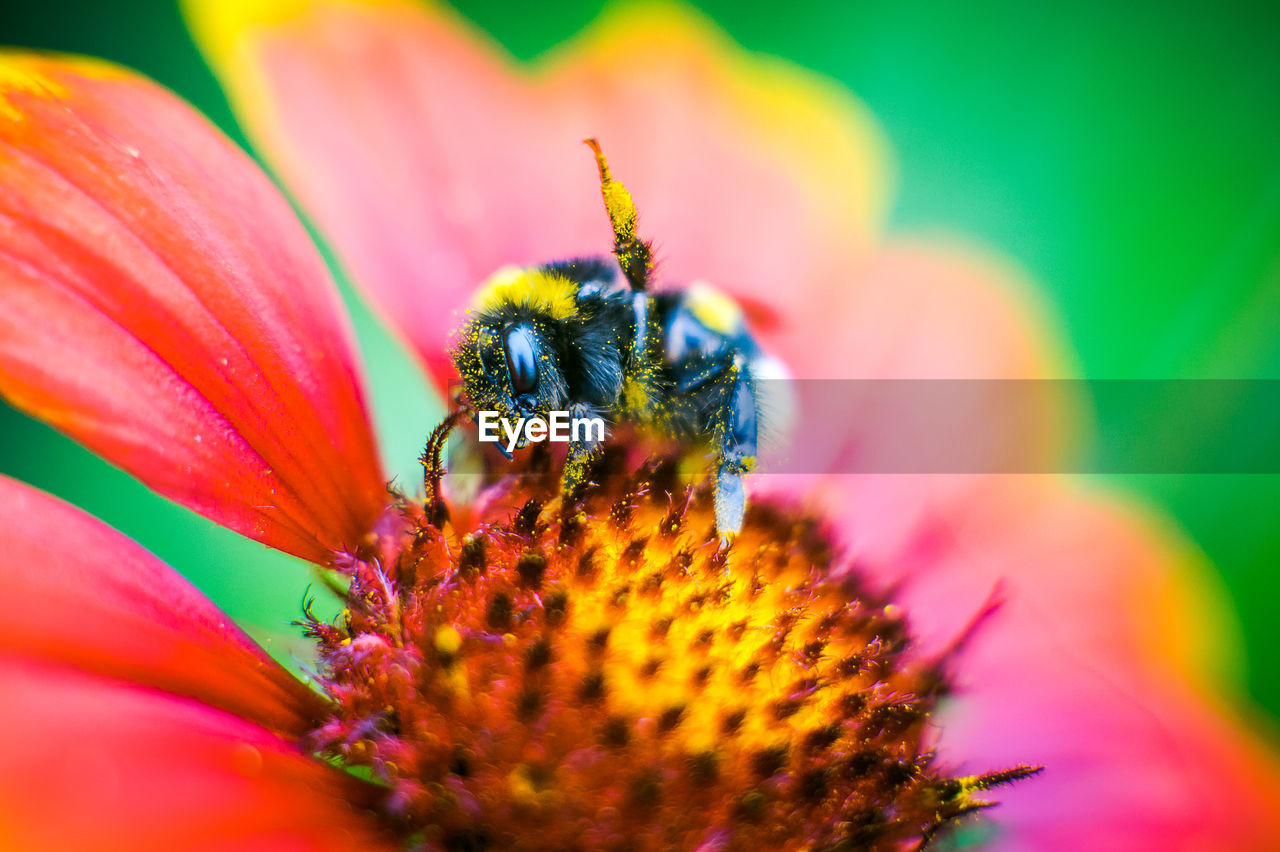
448 640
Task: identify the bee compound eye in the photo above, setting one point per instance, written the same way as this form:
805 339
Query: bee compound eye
487 341
521 349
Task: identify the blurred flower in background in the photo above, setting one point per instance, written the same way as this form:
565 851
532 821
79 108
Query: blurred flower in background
164 308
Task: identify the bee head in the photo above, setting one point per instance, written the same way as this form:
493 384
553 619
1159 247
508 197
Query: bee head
509 364
508 353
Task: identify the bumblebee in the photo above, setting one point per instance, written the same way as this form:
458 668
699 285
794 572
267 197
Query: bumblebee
577 336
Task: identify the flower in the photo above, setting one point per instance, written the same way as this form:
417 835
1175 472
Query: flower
160 303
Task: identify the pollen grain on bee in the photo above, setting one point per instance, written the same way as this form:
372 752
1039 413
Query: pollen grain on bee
558 426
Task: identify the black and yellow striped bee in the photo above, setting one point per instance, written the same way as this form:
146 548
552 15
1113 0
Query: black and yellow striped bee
575 336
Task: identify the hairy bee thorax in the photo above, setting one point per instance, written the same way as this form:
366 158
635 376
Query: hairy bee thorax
541 291
604 674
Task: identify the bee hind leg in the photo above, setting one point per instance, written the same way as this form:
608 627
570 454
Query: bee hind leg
635 255
736 453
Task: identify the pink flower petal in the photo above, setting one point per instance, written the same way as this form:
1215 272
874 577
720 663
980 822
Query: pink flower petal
160 303
83 595
430 160
887 366
918 309
98 764
1099 664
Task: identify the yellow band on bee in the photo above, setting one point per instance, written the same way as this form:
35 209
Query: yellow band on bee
714 309
537 290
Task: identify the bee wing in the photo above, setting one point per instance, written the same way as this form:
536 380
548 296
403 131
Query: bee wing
774 394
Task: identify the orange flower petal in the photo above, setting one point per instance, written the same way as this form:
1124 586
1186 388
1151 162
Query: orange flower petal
83 595
1101 663
430 160
160 303
97 764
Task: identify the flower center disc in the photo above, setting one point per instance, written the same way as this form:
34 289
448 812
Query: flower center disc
608 676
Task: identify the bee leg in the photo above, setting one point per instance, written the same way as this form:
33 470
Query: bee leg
725 385
635 255
582 451
736 434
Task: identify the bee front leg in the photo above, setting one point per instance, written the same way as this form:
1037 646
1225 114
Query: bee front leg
587 435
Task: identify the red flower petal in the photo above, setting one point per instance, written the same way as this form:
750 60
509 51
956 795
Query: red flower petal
160 303
81 594
430 162
96 764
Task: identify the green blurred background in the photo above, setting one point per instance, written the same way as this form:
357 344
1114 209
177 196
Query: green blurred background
1127 155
